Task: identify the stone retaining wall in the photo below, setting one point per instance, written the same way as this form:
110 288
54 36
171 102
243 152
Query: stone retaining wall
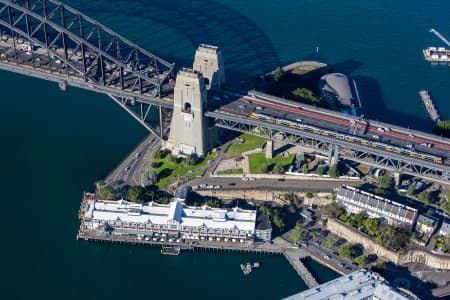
433 260
354 236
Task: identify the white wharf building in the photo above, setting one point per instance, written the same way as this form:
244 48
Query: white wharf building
174 219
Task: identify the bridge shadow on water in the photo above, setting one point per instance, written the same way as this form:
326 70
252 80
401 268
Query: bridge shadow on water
161 25
373 104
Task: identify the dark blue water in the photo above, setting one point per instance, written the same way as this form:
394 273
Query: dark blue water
55 144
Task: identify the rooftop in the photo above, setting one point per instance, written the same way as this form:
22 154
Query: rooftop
263 222
377 202
445 228
427 220
105 210
338 84
361 284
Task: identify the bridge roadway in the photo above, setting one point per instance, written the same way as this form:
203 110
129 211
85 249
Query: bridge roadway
43 66
398 143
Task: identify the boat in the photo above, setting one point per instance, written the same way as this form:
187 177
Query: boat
170 250
248 267
437 54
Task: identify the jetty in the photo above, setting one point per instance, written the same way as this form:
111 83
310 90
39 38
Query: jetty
296 262
429 106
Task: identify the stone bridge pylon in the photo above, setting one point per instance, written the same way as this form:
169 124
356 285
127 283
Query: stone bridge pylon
190 133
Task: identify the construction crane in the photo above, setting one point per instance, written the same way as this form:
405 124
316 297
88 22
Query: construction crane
440 36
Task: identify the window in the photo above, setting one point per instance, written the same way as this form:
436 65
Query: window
187 107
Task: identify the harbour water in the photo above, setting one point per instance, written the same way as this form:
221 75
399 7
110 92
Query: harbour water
56 144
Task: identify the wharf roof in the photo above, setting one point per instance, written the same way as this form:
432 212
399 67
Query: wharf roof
361 284
153 213
371 201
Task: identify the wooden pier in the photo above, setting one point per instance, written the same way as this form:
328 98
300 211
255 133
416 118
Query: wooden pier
429 106
295 260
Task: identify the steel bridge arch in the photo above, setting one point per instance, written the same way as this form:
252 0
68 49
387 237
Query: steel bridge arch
74 49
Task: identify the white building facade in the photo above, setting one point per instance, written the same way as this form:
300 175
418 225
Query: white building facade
355 201
174 219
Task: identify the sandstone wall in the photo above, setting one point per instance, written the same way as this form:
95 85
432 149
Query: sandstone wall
434 260
438 261
354 236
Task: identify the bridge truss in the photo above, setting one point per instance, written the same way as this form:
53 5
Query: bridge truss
347 150
50 40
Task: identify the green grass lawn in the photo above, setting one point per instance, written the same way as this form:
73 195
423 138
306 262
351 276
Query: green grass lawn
258 159
231 171
170 170
250 142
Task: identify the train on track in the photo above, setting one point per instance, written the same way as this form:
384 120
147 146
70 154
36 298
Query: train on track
298 124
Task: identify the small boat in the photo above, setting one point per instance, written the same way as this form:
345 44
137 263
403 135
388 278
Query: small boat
246 268
170 250
256 265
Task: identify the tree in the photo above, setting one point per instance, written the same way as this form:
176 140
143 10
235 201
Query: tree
313 234
372 226
329 243
320 170
361 260
424 197
173 159
309 195
106 193
278 169
333 171
346 251
278 221
156 164
296 234
292 198
190 160
99 183
213 202
386 182
411 189
380 265
135 194
358 219
264 168
306 95
332 210
305 168
149 177
278 74
443 128
157 154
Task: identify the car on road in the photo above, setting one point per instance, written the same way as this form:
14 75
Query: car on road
231 183
341 265
244 179
327 257
127 169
